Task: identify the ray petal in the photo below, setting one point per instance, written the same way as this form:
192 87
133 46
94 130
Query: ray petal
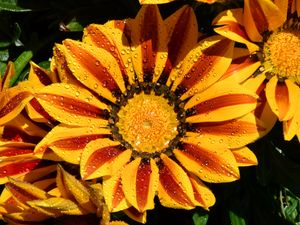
282 98
139 181
202 67
13 101
223 101
149 43
174 188
114 41
234 133
244 157
69 142
213 166
181 28
72 105
203 196
94 67
114 194
242 66
230 24
102 157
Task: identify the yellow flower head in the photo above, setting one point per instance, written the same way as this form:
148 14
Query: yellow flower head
143 105
271 30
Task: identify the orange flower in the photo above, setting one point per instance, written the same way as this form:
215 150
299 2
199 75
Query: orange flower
141 105
271 31
167 1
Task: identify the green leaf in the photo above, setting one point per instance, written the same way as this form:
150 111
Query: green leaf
2 68
12 5
4 55
200 217
74 25
20 63
236 219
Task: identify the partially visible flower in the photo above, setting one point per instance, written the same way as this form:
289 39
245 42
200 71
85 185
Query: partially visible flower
18 133
52 197
271 31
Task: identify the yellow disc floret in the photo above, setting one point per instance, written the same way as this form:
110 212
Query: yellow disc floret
282 54
148 123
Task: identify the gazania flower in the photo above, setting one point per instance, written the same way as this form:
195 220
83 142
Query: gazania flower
271 31
140 105
51 196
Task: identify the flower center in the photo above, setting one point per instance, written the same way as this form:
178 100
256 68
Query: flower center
147 122
282 54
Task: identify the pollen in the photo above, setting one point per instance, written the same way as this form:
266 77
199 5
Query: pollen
282 54
148 123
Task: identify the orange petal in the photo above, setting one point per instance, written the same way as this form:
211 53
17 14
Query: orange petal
102 157
69 142
113 193
230 24
291 127
242 66
181 28
244 157
72 105
60 64
139 182
23 192
229 134
114 41
202 67
223 101
261 16
262 111
282 98
203 196
214 166
149 43
136 215
40 76
17 168
13 101
94 67
174 188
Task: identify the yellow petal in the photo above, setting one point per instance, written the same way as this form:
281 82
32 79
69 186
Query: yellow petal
181 28
230 24
139 183
13 101
72 105
103 157
202 67
223 101
203 196
227 134
70 186
114 194
149 43
113 40
69 142
244 157
216 165
94 67
56 206
282 98
174 188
